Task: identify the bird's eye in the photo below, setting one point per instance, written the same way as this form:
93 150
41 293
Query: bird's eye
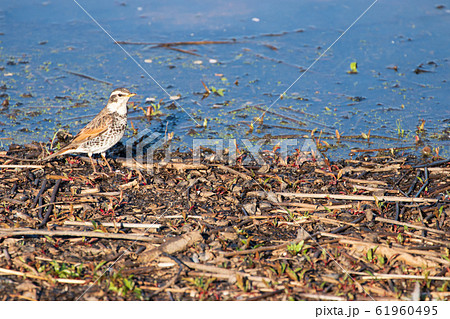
120 95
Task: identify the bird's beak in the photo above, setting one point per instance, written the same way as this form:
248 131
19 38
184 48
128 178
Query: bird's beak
131 94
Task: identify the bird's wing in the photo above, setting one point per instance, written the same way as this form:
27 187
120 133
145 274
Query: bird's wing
94 128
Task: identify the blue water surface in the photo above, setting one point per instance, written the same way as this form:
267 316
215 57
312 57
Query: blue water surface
303 48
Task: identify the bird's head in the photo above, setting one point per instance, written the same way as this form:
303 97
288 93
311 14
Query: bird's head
118 100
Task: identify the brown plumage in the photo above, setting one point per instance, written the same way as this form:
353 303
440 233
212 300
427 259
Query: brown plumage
104 131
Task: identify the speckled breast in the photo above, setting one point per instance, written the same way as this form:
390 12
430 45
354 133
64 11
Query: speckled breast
110 137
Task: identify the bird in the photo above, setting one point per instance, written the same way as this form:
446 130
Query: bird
103 132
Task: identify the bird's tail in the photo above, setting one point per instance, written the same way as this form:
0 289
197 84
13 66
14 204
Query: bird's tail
55 154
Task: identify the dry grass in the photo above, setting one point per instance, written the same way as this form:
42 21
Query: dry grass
363 229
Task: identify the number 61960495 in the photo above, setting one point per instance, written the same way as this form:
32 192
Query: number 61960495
406 310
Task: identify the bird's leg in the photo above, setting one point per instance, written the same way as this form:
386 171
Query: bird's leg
104 158
92 162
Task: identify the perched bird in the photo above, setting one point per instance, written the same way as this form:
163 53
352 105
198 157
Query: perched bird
104 131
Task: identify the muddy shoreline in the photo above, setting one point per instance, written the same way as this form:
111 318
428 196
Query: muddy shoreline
367 228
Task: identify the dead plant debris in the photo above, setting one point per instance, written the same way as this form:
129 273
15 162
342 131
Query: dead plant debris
366 228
